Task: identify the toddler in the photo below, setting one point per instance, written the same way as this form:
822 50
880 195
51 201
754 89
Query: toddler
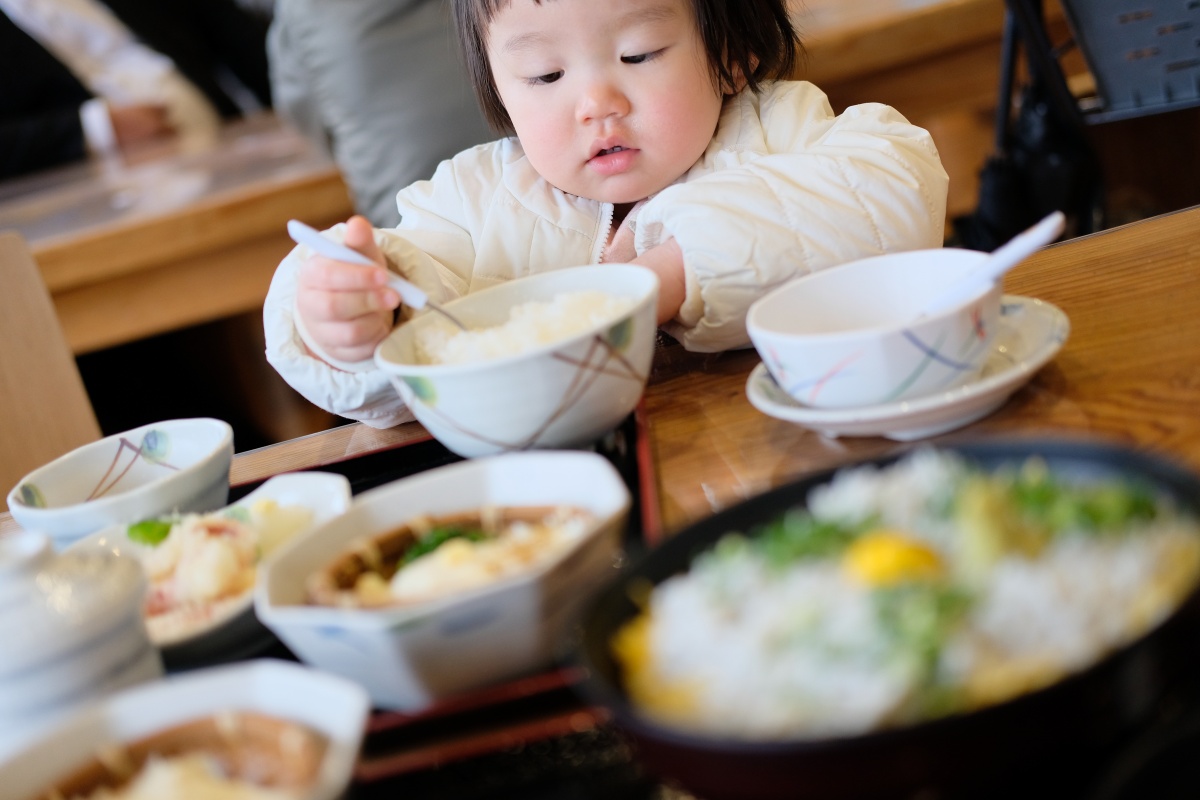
658 132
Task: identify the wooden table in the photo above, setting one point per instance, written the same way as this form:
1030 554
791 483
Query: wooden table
1130 371
174 239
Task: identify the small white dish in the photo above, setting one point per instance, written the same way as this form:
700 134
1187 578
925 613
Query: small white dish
331 706
410 655
1031 333
233 631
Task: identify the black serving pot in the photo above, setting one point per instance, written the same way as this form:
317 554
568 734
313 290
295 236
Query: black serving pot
956 755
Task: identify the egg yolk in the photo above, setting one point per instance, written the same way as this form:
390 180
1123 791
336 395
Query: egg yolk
648 689
884 557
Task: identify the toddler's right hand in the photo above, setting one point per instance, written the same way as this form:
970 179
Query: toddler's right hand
347 309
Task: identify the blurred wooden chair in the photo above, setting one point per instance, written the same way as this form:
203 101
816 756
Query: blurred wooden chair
44 408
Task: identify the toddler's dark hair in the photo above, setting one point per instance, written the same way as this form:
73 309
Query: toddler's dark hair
751 38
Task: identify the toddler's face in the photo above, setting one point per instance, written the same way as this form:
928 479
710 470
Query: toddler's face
612 99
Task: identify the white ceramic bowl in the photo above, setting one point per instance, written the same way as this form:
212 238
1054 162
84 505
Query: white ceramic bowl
410 656
329 705
230 631
854 335
70 630
174 465
560 395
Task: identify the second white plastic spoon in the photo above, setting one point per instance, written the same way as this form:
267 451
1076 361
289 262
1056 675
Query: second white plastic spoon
1004 258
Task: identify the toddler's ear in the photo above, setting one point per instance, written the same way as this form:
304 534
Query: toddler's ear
739 80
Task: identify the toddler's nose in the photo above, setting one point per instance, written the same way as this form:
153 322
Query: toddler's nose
602 99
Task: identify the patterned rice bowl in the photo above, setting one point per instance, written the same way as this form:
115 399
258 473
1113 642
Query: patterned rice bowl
561 393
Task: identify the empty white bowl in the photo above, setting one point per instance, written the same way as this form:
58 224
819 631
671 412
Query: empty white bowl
854 335
564 394
70 630
409 656
326 704
174 465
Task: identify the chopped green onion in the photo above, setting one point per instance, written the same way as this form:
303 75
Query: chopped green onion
149 532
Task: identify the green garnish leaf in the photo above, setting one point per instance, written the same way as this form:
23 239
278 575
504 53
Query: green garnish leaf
796 536
239 513
920 617
149 532
1108 507
437 537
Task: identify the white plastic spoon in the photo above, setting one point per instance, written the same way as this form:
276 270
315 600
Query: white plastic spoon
1004 258
412 295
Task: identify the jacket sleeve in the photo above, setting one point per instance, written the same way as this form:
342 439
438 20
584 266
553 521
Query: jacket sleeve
799 190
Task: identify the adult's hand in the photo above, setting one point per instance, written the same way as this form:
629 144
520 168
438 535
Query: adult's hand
139 123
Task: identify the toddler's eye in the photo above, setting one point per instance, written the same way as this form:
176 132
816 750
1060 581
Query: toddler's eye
641 58
544 79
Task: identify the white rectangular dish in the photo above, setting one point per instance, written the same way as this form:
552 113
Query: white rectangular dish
408 656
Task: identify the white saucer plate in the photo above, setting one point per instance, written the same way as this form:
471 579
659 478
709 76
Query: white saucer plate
234 632
1031 333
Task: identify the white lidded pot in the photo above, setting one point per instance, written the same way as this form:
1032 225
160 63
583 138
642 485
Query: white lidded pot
71 630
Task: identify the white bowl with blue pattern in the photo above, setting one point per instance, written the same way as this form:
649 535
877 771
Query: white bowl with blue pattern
856 334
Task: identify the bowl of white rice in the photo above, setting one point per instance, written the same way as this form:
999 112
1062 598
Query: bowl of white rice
553 360
930 621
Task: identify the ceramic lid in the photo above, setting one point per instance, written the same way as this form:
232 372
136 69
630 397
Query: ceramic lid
53 603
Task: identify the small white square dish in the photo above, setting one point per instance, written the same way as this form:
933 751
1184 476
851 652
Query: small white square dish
201 568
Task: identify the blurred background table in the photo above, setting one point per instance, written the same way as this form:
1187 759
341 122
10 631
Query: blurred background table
183 244
129 250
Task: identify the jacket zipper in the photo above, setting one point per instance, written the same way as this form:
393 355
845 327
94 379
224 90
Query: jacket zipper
606 217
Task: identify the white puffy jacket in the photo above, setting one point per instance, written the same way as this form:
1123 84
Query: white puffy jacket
785 188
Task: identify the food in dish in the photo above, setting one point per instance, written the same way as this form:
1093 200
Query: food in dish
201 566
530 325
235 755
904 593
432 557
